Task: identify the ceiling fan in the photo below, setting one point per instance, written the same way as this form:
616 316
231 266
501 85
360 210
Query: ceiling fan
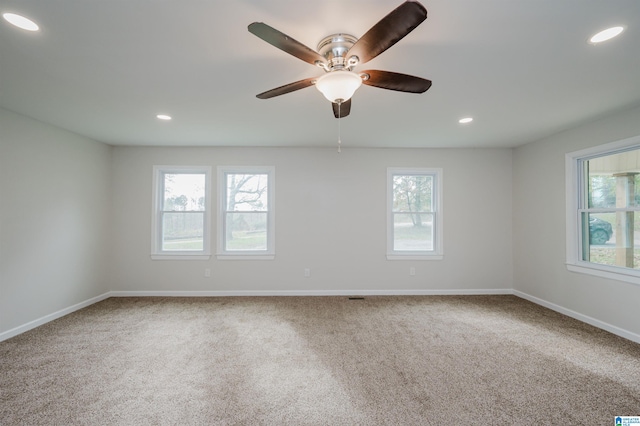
339 54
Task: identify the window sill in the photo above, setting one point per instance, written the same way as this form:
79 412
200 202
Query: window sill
414 257
180 256
245 256
605 272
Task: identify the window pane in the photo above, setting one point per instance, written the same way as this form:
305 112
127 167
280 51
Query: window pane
413 232
609 238
611 241
614 180
412 193
182 231
602 191
247 192
184 192
246 231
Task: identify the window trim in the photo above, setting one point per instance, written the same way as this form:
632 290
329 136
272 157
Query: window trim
574 193
437 210
156 223
269 253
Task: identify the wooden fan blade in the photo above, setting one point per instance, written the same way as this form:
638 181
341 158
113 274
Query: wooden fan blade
342 110
287 88
395 81
285 43
388 31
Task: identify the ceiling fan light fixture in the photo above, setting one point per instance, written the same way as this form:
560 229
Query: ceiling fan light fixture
339 86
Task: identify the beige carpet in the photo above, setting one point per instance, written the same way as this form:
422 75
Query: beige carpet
468 360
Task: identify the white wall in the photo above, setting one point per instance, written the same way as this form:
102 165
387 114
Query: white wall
539 227
55 211
331 218
75 223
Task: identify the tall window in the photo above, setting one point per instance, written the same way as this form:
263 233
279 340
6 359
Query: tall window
414 218
246 215
603 214
181 212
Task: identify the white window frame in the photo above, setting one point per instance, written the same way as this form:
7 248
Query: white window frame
156 218
574 181
269 253
438 252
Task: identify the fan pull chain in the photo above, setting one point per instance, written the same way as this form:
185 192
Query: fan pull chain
339 128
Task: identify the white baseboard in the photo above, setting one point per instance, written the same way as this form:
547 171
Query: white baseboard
224 293
580 317
459 292
47 318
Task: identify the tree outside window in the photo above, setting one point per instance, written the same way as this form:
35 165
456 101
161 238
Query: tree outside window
183 211
246 211
181 214
412 213
414 227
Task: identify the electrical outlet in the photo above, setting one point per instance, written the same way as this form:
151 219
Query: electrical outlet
412 271
207 273
307 272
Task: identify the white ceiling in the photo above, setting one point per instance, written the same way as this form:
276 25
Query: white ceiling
524 69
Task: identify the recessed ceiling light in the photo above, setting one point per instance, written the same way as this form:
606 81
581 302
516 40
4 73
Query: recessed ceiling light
163 117
465 120
20 21
605 35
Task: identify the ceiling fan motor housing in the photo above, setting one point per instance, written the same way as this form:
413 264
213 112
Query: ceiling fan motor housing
334 48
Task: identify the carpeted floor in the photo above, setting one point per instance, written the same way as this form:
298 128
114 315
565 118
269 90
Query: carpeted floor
432 360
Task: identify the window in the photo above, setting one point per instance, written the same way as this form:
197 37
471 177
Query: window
414 215
181 214
246 215
603 210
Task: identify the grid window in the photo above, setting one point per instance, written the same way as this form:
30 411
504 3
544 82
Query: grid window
181 213
246 213
414 213
603 210
609 224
